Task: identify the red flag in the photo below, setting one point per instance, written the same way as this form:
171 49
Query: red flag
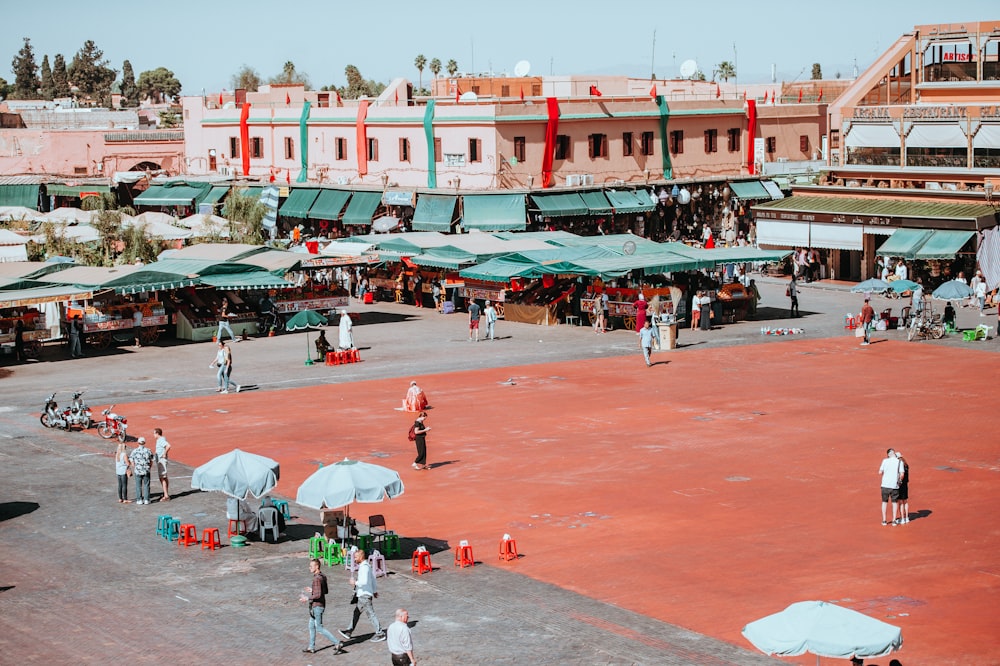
772 97
522 94
397 97
820 98
744 95
339 101
595 92
652 91
288 176
800 95
288 100
457 94
220 99
718 91
271 179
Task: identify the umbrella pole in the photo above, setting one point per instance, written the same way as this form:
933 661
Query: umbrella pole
309 360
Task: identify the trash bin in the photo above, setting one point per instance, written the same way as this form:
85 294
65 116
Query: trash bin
668 336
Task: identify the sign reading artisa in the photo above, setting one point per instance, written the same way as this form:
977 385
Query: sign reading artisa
958 57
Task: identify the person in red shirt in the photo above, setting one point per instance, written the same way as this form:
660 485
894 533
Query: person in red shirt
867 317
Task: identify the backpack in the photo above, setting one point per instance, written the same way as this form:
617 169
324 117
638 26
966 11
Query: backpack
412 435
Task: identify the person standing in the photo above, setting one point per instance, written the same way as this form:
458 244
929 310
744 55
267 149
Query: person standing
141 459
75 333
224 321
753 298
315 595
491 319
640 311
793 293
890 470
346 338
420 440
705 301
19 341
904 489
473 320
980 294
867 317
605 310
224 362
162 448
646 340
122 469
695 310
400 641
598 313
364 589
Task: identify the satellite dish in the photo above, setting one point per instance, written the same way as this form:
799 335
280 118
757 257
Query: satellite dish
469 96
522 68
629 247
689 68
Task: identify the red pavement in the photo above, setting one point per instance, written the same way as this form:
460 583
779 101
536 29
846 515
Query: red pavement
715 488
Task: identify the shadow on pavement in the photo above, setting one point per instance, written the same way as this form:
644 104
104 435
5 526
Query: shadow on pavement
9 510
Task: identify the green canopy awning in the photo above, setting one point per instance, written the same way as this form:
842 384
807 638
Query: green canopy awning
943 244
434 213
904 243
597 203
60 190
494 212
452 261
215 195
625 201
19 195
362 207
181 194
251 280
749 189
329 204
298 203
560 205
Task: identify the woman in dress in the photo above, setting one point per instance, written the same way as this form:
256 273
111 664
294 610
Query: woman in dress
640 312
420 439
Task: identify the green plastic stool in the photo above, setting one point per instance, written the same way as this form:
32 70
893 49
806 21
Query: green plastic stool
365 542
391 544
173 529
161 526
317 546
333 555
282 506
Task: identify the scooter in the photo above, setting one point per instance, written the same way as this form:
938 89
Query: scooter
113 425
51 416
79 413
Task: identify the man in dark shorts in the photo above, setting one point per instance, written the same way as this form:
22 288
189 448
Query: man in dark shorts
891 471
904 490
474 313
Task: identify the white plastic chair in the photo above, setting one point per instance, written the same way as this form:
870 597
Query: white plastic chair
267 519
377 562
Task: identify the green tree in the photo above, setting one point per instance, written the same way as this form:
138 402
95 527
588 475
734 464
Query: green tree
169 119
698 76
420 62
452 67
60 79
4 88
726 70
25 73
435 67
48 89
89 72
817 72
129 89
158 85
356 84
247 78
291 75
246 215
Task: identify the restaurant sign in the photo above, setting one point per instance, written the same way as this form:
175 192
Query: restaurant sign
320 262
827 218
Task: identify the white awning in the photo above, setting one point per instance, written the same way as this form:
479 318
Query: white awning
773 189
871 136
804 234
988 136
936 135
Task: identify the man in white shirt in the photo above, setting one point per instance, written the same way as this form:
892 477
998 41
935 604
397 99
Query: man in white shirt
364 590
400 641
901 272
891 471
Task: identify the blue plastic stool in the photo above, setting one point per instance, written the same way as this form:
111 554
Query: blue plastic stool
282 506
161 526
173 529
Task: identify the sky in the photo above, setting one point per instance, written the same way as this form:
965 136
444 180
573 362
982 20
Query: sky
205 43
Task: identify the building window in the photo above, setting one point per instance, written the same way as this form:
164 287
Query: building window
770 144
504 90
519 148
341 144
289 148
627 144
475 150
733 136
437 150
404 150
536 89
234 147
562 147
804 144
79 171
256 147
711 141
475 90
598 145
647 143
373 150
677 142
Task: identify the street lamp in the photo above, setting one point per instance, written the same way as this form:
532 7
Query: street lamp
385 180
458 182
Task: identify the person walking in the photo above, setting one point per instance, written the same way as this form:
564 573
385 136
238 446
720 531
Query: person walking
345 338
75 333
224 362
420 431
123 470
904 490
19 341
793 293
162 447
315 595
474 314
646 340
400 641
224 322
141 459
980 294
598 313
365 592
891 471
867 317
491 319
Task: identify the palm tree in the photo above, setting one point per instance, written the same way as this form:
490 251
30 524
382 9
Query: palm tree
435 67
420 62
452 67
726 70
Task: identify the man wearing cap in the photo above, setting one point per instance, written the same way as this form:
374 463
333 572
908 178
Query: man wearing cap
891 472
491 319
142 459
867 316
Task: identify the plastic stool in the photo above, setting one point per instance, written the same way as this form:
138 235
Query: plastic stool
349 562
161 526
234 527
329 358
377 562
463 555
421 562
355 356
173 529
317 547
210 538
508 550
333 555
188 535
391 544
365 542
282 506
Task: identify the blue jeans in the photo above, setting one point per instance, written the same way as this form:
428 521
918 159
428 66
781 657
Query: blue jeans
223 376
123 486
316 624
142 487
645 353
489 328
224 326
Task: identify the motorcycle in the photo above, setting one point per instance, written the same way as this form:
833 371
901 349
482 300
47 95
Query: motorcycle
114 425
51 416
79 413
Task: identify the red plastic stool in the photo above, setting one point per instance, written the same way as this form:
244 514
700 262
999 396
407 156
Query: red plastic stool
189 535
210 538
463 555
234 527
344 357
508 550
355 356
421 561
329 358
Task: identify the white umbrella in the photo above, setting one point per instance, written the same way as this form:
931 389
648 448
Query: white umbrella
19 213
348 481
952 290
825 630
155 216
68 215
237 474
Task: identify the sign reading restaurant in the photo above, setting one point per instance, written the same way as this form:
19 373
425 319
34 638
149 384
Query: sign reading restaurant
827 218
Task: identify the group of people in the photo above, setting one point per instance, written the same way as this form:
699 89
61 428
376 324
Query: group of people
139 463
895 474
475 314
